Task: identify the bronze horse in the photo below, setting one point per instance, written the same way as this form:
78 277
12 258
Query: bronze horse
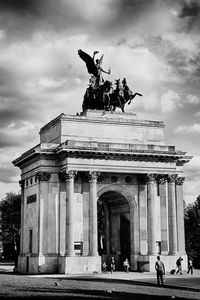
105 98
97 98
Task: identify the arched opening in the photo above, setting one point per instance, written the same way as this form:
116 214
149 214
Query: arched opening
113 228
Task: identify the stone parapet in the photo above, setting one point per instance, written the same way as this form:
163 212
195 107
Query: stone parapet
115 127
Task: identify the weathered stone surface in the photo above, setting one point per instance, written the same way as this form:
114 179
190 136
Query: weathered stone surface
113 158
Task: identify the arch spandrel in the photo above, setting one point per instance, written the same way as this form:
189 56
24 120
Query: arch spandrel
126 193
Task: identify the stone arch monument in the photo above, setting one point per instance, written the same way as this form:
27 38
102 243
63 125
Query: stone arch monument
101 184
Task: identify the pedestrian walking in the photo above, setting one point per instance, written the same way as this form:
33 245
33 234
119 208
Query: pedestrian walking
104 267
179 265
160 271
190 267
112 264
126 265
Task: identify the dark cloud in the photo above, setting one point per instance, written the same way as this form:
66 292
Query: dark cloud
17 5
190 9
21 19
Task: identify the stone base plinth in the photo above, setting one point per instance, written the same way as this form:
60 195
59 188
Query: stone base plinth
37 264
146 263
79 264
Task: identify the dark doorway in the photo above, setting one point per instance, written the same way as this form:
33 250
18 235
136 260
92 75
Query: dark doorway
124 239
113 228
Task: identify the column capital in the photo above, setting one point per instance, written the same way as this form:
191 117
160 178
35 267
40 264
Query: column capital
151 178
92 176
22 183
67 174
172 178
162 179
42 176
180 180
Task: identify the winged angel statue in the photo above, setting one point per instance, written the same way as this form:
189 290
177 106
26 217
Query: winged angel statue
100 94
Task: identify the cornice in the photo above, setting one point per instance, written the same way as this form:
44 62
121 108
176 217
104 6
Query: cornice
106 151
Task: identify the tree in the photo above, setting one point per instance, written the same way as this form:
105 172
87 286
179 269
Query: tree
10 209
192 231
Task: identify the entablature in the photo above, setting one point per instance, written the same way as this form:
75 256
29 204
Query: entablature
105 151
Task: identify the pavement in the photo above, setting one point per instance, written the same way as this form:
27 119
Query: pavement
184 286
185 281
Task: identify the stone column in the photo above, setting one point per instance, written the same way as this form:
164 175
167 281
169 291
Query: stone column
42 178
142 206
151 213
172 218
163 192
22 182
69 177
180 215
93 232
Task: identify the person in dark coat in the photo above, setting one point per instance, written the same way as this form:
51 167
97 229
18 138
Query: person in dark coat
179 265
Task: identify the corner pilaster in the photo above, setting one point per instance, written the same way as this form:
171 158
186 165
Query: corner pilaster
172 215
180 215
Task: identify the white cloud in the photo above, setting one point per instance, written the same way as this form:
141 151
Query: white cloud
50 82
192 99
188 43
170 101
139 62
195 128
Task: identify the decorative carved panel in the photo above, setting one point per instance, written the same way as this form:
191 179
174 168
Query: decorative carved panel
42 176
114 178
128 179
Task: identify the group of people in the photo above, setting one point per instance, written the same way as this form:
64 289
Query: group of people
160 269
126 266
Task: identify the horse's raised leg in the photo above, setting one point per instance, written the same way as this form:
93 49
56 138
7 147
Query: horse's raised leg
120 104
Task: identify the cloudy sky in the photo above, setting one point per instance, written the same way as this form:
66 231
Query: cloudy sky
155 44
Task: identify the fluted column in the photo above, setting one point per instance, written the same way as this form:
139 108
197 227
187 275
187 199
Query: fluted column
172 217
22 182
180 215
93 233
142 207
42 178
69 177
163 192
151 213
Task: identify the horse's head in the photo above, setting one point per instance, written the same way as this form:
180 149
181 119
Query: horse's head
117 82
107 85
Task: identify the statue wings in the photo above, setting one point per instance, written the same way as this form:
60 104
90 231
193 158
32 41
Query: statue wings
91 67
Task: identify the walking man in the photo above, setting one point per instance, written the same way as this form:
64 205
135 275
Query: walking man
190 267
112 265
126 265
160 271
179 266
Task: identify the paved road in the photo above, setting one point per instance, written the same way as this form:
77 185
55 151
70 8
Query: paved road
118 286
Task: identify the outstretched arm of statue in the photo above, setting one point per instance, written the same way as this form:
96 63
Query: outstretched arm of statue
107 72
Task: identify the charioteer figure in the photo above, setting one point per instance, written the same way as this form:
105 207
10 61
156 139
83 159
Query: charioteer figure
94 67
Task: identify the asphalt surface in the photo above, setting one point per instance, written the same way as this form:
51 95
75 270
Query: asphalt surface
137 286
